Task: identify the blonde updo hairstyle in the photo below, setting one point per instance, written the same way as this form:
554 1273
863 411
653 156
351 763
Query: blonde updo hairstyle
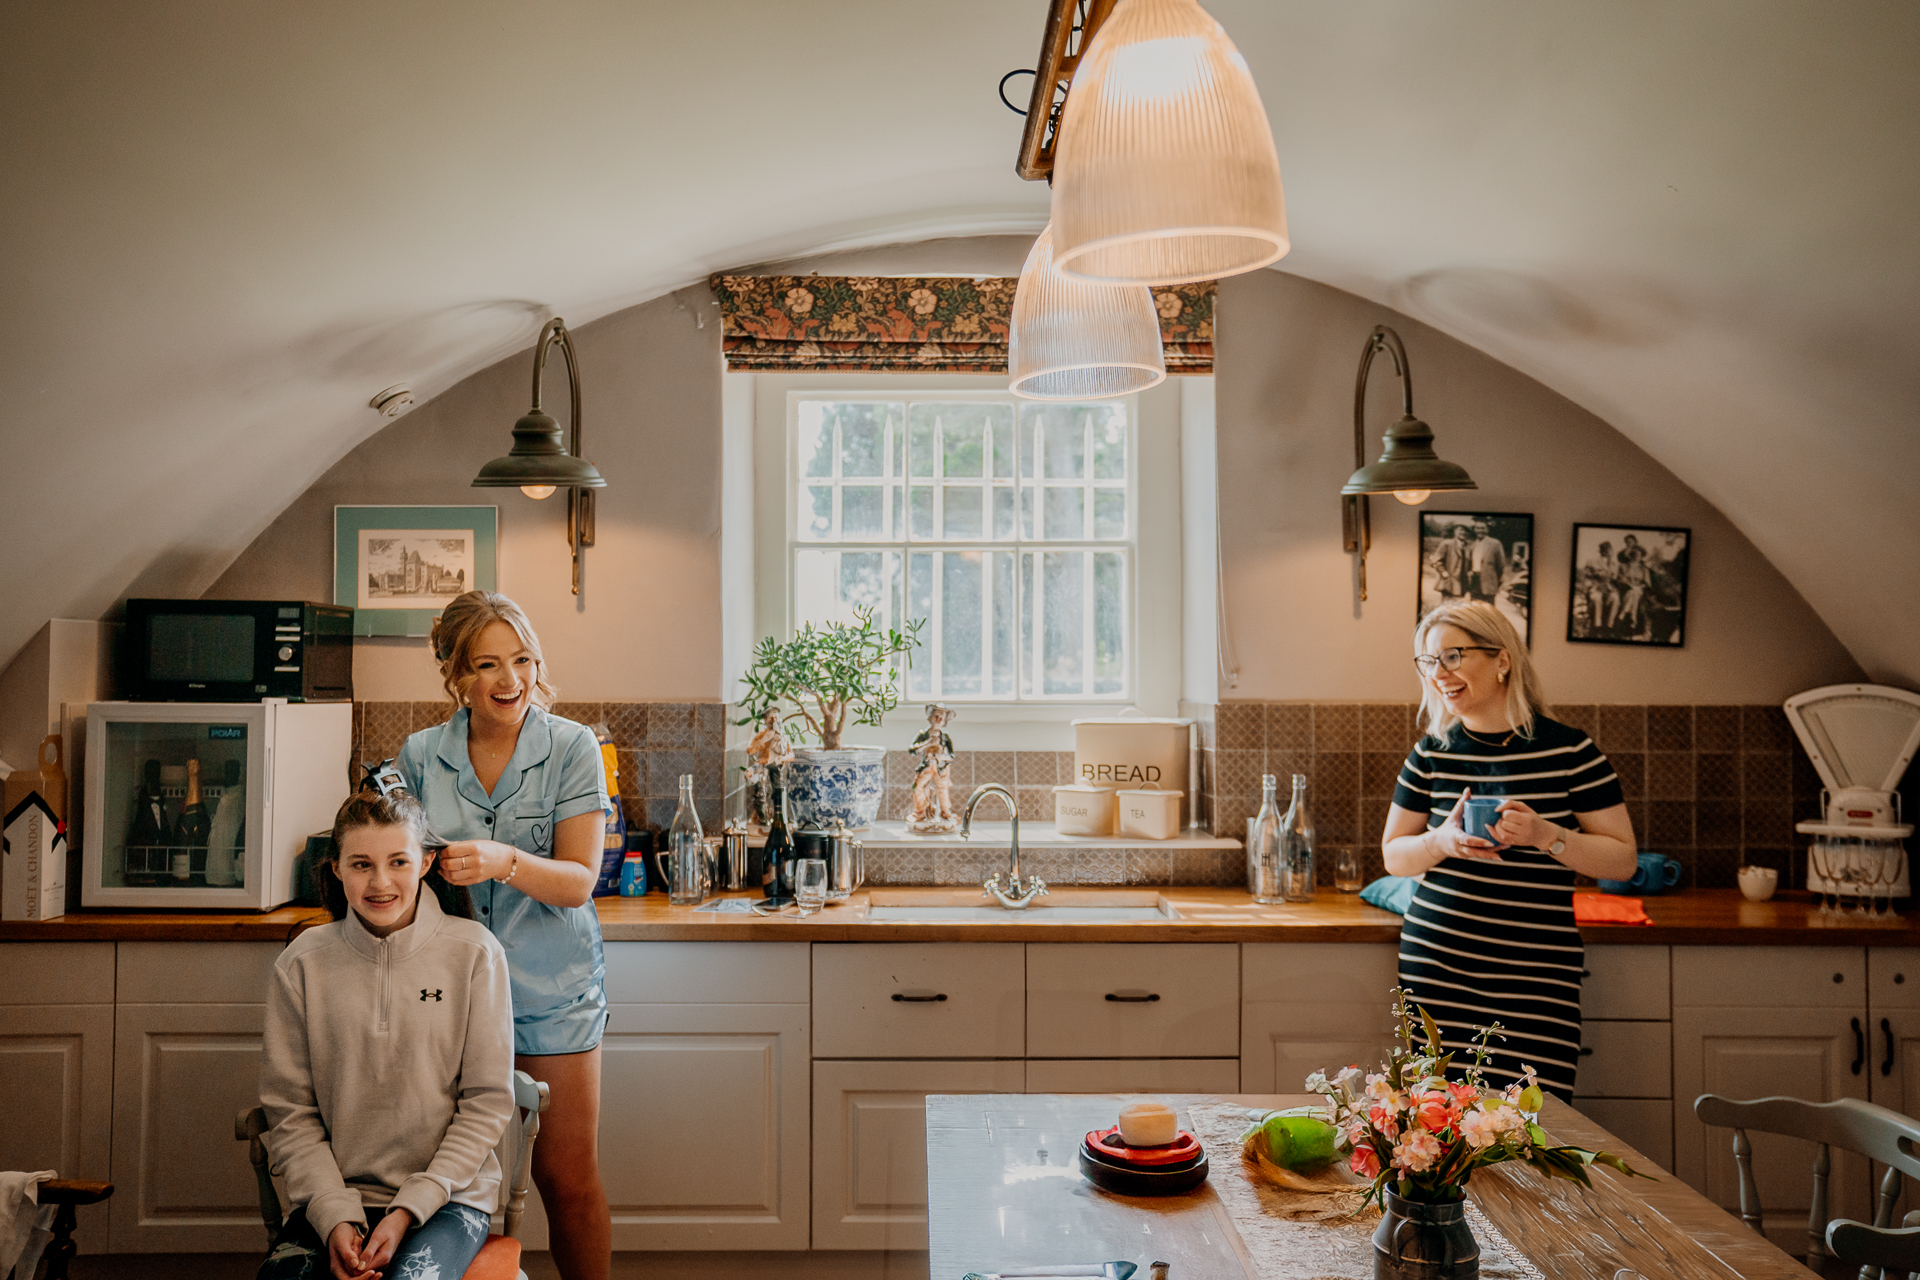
457 630
1488 626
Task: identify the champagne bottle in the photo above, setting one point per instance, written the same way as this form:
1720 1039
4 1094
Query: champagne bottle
1264 879
149 830
1296 845
776 876
190 833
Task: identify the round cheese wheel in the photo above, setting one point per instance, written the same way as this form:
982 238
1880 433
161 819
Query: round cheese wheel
1148 1124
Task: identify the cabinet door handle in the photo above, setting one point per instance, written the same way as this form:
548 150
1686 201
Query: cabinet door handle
1886 1028
1132 997
918 997
1859 1047
1586 1051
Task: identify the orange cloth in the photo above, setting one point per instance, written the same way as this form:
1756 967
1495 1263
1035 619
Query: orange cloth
498 1259
1605 908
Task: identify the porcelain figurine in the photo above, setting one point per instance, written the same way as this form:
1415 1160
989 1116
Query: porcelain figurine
933 811
769 749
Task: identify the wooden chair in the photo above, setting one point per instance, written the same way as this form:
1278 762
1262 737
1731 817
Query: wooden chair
1897 1248
499 1257
1852 1125
61 1250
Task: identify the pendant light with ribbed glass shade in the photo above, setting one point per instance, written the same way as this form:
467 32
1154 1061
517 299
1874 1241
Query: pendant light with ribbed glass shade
1164 171
1072 340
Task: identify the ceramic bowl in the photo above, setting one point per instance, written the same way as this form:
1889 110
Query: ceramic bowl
1758 883
1132 1181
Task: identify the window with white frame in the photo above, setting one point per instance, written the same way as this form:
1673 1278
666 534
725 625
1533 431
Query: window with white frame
1008 526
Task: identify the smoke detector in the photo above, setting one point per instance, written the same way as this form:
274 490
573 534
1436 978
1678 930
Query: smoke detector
394 401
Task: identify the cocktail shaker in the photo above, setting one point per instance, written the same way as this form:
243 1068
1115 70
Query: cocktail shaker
846 863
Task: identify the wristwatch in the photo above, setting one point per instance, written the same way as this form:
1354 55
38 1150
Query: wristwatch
1559 846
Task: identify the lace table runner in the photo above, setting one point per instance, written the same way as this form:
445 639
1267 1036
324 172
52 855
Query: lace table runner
1277 1226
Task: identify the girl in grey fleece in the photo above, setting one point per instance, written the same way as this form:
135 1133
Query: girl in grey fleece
388 1075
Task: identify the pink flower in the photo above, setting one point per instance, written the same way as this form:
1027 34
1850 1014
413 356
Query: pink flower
1480 1129
1465 1094
1435 1112
1417 1151
1385 1121
1365 1162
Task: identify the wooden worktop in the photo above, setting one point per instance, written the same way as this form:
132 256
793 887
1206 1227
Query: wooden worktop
1699 917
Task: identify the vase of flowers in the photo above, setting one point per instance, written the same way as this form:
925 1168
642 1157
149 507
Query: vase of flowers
1417 1137
820 682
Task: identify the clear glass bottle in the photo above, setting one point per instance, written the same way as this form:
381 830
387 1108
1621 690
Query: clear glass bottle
1296 846
1264 880
686 852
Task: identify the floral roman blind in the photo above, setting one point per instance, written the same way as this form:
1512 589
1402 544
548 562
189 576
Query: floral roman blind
942 324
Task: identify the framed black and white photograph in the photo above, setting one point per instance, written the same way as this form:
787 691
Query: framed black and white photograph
1629 585
399 566
1478 555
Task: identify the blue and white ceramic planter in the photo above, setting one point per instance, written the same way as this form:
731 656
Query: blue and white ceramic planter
846 784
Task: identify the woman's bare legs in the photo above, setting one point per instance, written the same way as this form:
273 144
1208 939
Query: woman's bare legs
566 1163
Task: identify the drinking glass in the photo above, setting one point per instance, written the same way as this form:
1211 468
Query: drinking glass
1346 870
810 884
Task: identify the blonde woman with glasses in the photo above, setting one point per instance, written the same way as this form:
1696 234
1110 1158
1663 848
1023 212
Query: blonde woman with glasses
1490 935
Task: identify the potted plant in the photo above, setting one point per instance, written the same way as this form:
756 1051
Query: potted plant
827 679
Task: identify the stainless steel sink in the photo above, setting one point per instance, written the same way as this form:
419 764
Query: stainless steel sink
1064 907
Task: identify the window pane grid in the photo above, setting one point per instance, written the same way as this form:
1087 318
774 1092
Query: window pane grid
956 488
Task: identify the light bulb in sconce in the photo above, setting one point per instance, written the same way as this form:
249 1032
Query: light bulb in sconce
1413 497
537 491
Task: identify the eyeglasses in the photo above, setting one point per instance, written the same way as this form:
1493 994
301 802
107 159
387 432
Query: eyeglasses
1449 659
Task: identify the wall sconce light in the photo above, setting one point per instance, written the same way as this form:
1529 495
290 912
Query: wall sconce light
1408 469
1071 340
540 462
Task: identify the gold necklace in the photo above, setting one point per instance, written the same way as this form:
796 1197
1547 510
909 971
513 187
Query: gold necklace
1488 742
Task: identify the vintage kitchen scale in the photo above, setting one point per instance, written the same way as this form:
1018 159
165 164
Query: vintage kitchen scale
1860 738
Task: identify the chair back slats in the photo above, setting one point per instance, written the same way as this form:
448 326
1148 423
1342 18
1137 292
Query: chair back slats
250 1127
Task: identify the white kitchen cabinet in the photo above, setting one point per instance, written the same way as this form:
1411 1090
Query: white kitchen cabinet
703 1126
1645 1124
1625 1075
919 1000
1133 1000
1313 1007
186 1055
1754 1022
56 1067
1134 1075
870 1145
181 1182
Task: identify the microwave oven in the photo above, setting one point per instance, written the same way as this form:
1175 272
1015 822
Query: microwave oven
237 651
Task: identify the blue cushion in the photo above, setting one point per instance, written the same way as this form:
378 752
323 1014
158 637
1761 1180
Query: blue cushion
1391 893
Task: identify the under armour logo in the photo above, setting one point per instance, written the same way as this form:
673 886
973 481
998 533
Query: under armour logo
429 995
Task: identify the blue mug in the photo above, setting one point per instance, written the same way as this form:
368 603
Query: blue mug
1480 817
1657 873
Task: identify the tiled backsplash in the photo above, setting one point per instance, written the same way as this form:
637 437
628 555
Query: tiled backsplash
655 743
1713 786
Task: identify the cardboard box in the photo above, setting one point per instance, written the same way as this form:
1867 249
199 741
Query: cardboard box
33 853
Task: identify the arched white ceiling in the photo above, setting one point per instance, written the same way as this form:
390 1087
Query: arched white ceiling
225 225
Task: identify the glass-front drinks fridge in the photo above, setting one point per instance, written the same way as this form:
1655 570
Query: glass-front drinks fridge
201 804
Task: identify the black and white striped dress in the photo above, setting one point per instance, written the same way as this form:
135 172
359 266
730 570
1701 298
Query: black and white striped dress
1495 941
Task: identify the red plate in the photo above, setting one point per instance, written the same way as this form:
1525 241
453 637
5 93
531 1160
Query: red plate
1109 1143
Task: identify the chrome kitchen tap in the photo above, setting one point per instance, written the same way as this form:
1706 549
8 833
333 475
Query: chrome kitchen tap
1021 894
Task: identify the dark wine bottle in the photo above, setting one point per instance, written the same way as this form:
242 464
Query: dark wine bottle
776 876
149 830
190 833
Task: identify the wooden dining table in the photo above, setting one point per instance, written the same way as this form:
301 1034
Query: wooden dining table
1004 1194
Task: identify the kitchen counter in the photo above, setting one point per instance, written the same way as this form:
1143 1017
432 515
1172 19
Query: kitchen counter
1699 917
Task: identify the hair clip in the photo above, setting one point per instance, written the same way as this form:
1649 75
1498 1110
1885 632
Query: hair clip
384 778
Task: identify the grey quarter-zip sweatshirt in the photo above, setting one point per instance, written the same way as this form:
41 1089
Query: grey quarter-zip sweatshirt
388 1075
